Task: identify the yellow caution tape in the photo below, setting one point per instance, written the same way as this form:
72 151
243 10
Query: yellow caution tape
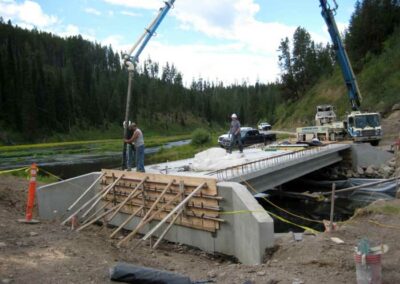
276 206
50 174
13 170
276 216
294 224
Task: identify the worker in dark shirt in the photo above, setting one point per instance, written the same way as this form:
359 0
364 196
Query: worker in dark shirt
234 133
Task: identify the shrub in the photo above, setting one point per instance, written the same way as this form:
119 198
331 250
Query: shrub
200 136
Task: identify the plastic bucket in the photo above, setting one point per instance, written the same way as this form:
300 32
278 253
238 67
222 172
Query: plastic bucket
368 271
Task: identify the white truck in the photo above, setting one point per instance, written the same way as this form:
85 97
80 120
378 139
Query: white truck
358 126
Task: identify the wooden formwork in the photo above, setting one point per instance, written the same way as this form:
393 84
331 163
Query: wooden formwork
201 212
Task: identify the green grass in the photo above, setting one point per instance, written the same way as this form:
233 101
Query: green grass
387 209
76 147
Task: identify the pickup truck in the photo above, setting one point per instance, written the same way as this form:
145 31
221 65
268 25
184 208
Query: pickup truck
249 136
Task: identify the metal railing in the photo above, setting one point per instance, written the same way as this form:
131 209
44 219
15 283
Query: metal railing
254 166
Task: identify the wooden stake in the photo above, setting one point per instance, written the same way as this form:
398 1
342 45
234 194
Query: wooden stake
332 206
128 198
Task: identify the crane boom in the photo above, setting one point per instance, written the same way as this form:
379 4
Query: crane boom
129 62
343 59
148 33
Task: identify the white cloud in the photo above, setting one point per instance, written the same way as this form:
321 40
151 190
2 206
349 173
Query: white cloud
224 62
130 14
249 54
93 11
113 40
227 62
72 30
143 4
28 13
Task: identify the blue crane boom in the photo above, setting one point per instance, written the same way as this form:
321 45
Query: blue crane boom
344 62
129 62
149 32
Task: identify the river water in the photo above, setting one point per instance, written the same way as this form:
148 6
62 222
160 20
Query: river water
67 165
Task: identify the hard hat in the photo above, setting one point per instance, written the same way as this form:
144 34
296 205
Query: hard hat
234 115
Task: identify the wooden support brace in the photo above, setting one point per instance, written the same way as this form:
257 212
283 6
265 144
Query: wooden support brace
128 198
86 191
84 205
102 196
97 218
97 212
178 207
144 222
126 221
167 229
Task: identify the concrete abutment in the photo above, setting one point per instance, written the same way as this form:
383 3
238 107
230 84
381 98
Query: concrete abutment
247 231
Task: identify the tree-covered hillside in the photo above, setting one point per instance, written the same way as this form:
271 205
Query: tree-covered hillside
51 85
373 44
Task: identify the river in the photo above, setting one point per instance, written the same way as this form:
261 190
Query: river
63 162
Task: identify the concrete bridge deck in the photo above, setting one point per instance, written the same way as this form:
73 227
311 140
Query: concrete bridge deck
262 169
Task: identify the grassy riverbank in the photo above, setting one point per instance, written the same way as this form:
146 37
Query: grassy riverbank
77 147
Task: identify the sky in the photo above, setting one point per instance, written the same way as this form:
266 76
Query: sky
232 41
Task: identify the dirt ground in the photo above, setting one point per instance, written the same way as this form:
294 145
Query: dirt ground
51 253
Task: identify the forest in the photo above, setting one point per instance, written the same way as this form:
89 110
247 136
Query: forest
50 84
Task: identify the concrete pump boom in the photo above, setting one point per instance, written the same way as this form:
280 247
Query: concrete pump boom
130 60
344 62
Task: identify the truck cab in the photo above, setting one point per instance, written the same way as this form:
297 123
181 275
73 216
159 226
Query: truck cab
364 127
325 115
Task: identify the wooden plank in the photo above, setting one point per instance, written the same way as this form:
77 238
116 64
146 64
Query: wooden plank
153 194
210 189
197 208
202 209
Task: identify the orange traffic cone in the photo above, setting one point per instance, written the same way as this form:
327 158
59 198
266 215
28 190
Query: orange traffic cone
31 196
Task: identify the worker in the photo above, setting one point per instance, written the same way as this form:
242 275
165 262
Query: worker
234 133
138 140
128 149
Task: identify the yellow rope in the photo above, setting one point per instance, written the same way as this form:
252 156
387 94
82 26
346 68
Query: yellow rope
13 170
383 225
276 206
50 174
